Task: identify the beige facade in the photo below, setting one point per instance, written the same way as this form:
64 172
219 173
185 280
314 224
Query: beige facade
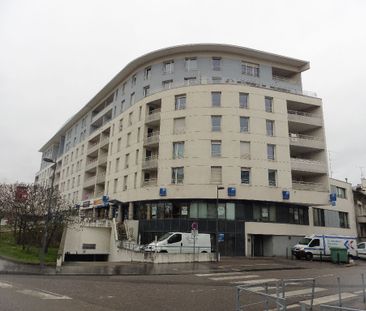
186 119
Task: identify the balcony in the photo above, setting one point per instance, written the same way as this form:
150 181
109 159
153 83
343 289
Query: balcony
101 223
305 118
305 165
101 178
107 109
308 186
93 147
150 162
306 141
150 182
102 159
89 182
153 117
104 141
91 164
152 138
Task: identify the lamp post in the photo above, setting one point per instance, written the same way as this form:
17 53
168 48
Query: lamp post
217 221
49 203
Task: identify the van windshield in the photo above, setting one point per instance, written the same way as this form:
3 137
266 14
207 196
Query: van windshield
165 236
304 241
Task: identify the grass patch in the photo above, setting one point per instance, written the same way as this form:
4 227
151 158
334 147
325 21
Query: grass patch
10 250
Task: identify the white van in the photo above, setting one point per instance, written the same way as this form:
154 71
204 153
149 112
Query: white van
319 245
181 242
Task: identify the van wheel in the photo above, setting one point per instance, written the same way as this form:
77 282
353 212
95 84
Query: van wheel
163 251
204 252
308 256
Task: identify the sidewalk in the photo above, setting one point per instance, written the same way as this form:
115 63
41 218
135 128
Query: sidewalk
227 264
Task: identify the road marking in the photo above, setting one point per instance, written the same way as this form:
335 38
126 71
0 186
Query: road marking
5 285
325 299
221 273
42 294
254 281
234 277
300 292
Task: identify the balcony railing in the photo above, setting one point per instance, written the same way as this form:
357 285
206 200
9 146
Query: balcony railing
306 141
150 162
102 159
101 178
91 164
150 182
152 138
308 186
101 223
90 181
153 116
304 117
93 147
308 165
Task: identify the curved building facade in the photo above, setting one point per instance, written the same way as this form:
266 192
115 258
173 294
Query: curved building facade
178 123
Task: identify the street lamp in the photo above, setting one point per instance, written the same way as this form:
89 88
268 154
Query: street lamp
44 238
217 220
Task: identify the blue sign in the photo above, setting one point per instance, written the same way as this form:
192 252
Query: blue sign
333 199
231 191
162 192
285 195
221 237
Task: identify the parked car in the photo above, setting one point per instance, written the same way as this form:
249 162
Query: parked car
181 242
361 250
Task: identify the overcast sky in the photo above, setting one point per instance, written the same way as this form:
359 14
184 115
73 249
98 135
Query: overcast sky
56 55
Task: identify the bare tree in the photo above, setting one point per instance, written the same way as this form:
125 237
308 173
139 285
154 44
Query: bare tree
26 206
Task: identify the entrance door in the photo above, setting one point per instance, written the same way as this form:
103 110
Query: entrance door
258 246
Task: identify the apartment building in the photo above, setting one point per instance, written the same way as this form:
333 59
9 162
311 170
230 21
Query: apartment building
156 142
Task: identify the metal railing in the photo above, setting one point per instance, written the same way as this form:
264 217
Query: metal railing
304 185
152 138
303 114
295 136
151 161
90 181
150 182
153 116
262 289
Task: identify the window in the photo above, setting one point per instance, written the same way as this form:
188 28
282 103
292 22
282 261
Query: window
296 215
175 238
177 175
123 105
127 160
216 99
117 165
250 69
115 184
146 90
216 174
314 243
179 125
216 63
216 123
121 125
244 124
133 80
167 84
168 66
340 192
191 63
270 127
119 144
128 141
134 180
243 100
271 149
178 150
132 99
216 80
245 175
147 73
245 149
138 134
137 156
190 81
264 212
272 178
125 181
140 113
130 118
343 220
180 102
268 104
216 148
123 90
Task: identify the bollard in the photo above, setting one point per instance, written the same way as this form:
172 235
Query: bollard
363 287
339 291
321 256
286 252
266 301
338 258
312 295
237 299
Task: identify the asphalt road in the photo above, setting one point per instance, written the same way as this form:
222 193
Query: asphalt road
196 291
